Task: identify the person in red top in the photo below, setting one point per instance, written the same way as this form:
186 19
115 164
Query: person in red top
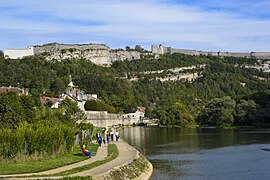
86 152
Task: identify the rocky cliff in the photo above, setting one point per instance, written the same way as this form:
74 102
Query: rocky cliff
97 53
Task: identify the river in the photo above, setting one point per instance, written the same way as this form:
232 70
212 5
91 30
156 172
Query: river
203 153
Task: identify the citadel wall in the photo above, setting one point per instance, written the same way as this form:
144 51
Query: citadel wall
105 119
103 55
168 50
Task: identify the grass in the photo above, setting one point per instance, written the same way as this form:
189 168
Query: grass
46 164
112 154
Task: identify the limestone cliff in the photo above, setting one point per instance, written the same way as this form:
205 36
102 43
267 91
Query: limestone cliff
97 53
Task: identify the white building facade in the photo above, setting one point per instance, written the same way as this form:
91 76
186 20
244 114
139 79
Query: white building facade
19 52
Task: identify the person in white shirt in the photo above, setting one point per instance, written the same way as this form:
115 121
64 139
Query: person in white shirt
111 133
117 135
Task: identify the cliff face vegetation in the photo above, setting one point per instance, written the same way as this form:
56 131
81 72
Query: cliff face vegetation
222 91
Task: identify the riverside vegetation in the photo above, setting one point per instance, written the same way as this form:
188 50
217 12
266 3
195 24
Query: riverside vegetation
216 98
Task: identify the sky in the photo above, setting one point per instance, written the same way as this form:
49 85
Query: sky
208 25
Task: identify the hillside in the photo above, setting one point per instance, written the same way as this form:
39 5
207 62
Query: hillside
177 89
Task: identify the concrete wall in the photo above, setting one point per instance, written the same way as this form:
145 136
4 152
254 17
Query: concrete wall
19 53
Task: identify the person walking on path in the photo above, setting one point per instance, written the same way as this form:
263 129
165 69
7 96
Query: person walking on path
90 138
99 139
111 135
108 137
77 140
117 135
104 138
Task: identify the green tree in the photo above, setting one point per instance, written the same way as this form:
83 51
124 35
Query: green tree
246 112
218 112
128 48
72 112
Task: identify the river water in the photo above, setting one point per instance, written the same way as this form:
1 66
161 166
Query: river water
203 153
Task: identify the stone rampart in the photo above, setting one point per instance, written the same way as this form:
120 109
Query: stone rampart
157 50
105 119
102 118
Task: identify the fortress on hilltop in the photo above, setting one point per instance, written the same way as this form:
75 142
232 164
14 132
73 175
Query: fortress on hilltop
158 50
103 55
97 53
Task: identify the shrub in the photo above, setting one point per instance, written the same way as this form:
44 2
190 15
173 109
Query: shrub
39 138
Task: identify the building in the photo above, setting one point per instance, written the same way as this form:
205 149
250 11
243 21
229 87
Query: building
16 90
55 102
15 53
134 118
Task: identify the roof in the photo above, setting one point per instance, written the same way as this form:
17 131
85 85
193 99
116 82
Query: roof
44 99
11 89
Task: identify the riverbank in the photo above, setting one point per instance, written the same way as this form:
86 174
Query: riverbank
137 167
125 160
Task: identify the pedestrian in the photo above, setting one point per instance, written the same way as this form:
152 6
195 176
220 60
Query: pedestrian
111 133
108 137
77 138
99 139
85 134
90 138
103 138
116 135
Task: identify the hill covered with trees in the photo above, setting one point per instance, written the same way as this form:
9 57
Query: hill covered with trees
225 92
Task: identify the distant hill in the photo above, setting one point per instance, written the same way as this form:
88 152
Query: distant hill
175 88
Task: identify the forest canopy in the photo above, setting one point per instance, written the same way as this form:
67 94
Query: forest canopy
225 88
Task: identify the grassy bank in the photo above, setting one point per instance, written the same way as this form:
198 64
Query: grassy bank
46 164
112 154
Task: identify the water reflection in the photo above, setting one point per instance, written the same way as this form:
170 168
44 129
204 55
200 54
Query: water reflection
203 153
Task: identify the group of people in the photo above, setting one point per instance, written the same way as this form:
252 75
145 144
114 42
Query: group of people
104 137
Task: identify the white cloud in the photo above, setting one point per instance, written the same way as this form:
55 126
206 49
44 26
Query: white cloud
114 22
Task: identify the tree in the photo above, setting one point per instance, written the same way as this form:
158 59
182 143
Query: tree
183 115
72 112
57 86
138 48
1 55
11 111
128 48
246 112
96 105
218 112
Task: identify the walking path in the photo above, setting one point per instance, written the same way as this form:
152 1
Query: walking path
127 154
101 154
